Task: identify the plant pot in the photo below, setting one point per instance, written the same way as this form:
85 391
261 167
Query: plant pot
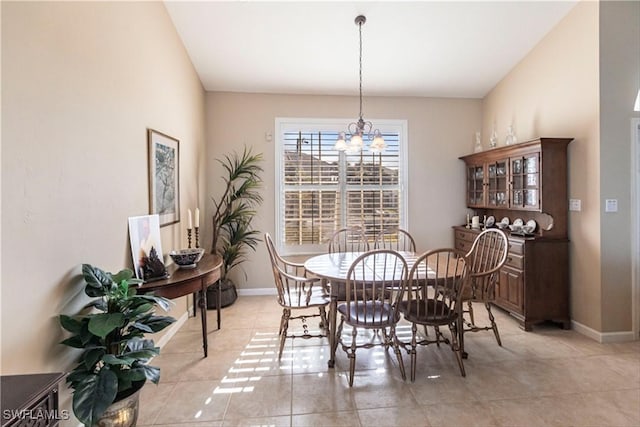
122 413
228 294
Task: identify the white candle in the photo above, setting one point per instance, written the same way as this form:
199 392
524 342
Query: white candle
197 218
189 225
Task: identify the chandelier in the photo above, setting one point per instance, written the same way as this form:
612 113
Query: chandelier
358 130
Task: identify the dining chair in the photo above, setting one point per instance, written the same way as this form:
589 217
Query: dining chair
432 297
348 239
296 291
485 259
396 239
371 303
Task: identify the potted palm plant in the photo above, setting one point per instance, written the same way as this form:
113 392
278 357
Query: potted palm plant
233 235
112 367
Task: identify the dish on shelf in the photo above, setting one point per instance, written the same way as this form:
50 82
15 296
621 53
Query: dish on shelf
532 225
501 225
490 221
505 220
518 222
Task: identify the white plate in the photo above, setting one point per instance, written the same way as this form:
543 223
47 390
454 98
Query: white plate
490 221
505 220
518 222
532 225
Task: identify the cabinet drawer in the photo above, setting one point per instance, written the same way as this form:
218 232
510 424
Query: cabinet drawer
467 236
515 261
516 247
463 245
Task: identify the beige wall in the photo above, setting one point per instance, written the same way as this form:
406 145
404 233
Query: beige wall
82 81
579 82
619 83
439 130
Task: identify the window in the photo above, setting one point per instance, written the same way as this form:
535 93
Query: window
320 190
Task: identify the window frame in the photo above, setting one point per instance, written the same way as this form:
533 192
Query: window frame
285 125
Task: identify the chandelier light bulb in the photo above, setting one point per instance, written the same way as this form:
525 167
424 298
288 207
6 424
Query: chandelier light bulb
356 141
341 143
378 145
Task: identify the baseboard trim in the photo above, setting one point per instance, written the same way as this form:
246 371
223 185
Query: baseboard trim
603 337
175 327
256 291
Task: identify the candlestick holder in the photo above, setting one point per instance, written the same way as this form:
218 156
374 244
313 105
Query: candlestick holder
189 238
197 237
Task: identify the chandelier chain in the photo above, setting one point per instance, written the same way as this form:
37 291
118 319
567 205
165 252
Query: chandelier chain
360 75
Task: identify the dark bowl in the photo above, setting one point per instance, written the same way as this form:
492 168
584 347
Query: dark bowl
187 258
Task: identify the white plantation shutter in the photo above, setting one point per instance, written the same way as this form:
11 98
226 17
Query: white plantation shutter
320 190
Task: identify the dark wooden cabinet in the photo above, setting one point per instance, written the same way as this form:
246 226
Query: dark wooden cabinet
533 285
31 400
527 181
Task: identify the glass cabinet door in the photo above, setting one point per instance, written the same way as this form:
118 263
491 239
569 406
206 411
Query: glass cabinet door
525 182
497 193
475 187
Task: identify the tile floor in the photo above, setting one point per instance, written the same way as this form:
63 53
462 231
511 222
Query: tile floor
548 377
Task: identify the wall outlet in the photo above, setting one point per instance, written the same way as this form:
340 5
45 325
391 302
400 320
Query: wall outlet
575 204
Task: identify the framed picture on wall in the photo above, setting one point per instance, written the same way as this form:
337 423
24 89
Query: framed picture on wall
164 161
146 248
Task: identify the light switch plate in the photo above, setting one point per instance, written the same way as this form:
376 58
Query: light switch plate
611 205
575 204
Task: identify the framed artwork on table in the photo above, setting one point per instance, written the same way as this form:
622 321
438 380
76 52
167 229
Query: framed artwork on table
146 247
164 161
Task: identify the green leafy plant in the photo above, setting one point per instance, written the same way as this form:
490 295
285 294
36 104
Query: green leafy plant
113 363
233 234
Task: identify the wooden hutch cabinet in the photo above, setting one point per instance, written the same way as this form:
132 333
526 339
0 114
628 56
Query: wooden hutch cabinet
526 181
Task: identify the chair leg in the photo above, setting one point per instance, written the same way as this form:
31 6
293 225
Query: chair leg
438 335
286 314
426 331
324 324
470 311
455 346
412 350
494 326
396 347
337 337
461 336
282 319
352 356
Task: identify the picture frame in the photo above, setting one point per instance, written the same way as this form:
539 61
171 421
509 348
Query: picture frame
164 177
146 247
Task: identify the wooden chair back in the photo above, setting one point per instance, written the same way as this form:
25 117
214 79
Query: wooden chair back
487 256
349 239
373 280
395 239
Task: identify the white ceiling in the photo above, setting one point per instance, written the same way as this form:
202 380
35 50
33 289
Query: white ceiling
435 49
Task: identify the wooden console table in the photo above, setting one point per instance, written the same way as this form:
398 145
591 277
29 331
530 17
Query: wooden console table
195 281
31 400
